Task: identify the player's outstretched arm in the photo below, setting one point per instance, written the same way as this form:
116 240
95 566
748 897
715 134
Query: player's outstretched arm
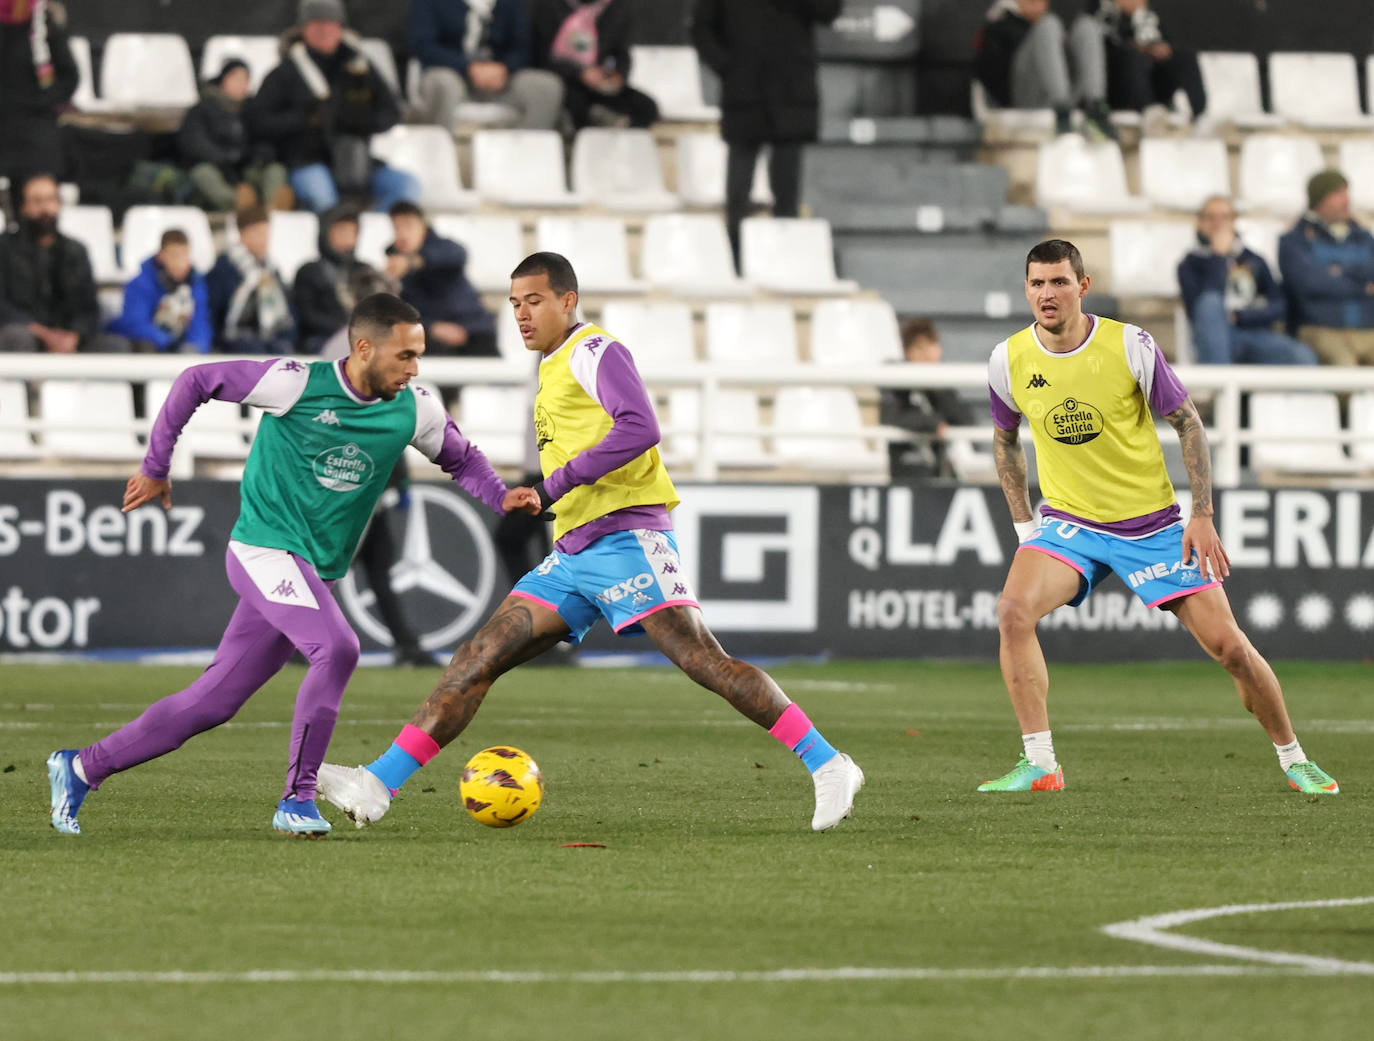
1010 459
142 488
525 500
1200 537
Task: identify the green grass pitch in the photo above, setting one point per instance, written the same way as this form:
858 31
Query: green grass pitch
980 916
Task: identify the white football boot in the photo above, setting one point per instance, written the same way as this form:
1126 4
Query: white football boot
837 782
357 791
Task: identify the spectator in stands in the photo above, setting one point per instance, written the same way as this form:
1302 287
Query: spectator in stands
325 289
38 76
480 49
47 292
166 305
1327 263
928 413
430 269
765 55
229 172
1026 60
249 306
587 43
1232 299
319 109
1144 67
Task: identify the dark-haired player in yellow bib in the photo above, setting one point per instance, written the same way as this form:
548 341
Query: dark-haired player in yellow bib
614 557
1086 387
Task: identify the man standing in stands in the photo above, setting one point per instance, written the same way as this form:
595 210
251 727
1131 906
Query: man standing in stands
38 76
1088 387
47 292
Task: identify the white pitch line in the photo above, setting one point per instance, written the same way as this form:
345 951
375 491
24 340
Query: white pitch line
1151 929
836 975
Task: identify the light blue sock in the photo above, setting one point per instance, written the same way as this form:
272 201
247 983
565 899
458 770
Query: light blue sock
814 750
394 767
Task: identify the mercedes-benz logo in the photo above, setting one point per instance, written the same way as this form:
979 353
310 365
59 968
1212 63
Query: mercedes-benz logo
444 578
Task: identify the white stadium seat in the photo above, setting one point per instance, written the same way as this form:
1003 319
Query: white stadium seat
141 233
827 421
672 77
260 53
1297 413
216 431
85 97
619 169
854 331
1357 163
731 410
428 153
147 70
293 240
520 168
1316 90
689 254
657 333
16 442
495 244
1362 423
701 160
1180 173
1009 120
1232 79
1275 169
88 419
597 247
93 227
1084 177
790 255
751 334
1145 255
1262 235
375 234
496 419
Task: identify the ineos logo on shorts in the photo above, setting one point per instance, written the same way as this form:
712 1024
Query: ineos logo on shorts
1074 422
621 590
343 469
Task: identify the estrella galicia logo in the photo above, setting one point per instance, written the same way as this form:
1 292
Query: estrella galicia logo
345 468
1037 381
1073 422
543 427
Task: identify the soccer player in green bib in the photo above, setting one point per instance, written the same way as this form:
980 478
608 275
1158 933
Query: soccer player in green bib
614 556
1086 386
332 433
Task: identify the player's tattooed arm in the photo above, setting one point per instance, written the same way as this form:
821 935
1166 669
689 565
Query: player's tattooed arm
1010 459
1197 457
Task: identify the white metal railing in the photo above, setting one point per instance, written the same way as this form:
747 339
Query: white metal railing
1224 385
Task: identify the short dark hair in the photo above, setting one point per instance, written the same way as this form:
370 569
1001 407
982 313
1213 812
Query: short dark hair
375 316
1052 251
343 213
562 277
250 215
405 208
918 329
173 237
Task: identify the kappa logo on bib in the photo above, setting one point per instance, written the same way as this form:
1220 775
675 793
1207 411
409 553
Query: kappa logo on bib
343 469
1074 422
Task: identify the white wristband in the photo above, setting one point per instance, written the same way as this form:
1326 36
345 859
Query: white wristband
1024 529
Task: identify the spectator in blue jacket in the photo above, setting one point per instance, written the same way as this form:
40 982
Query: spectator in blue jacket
166 306
482 49
249 305
1327 263
1232 299
430 269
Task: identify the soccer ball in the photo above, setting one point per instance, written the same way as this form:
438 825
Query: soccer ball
501 786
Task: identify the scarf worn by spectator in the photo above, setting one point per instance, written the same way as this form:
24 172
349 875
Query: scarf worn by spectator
1144 24
35 12
475 38
577 40
260 286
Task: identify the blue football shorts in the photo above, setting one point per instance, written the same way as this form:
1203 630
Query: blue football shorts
621 577
1151 566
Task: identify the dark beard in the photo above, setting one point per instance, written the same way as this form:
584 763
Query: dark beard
39 227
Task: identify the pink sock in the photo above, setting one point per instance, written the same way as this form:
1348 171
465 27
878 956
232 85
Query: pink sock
417 744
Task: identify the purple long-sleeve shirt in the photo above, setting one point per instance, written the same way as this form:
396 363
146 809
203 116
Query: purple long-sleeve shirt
634 430
276 385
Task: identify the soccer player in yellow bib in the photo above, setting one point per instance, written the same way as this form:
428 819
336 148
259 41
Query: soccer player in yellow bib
1086 386
614 556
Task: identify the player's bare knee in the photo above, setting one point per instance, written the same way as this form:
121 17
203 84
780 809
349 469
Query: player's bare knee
1015 616
1235 653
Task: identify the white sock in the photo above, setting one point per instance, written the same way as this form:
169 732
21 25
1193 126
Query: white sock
1040 750
1290 754
80 770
